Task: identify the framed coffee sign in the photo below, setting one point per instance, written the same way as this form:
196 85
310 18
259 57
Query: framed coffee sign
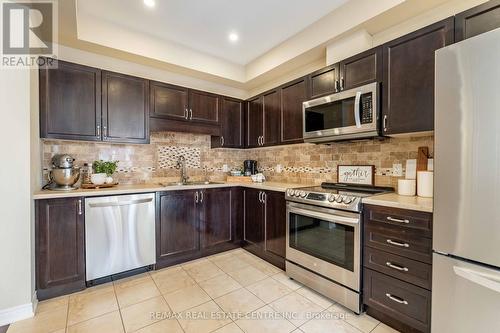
356 174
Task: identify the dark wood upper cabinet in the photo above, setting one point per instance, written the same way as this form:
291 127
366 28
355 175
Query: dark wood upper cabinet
324 81
203 107
70 102
477 20
254 217
125 108
275 206
408 82
168 101
232 123
177 229
361 69
271 104
59 246
255 119
215 225
293 94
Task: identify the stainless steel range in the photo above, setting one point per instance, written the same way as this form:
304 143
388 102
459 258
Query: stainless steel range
324 239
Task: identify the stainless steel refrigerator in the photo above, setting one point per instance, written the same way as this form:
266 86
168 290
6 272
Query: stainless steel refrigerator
466 259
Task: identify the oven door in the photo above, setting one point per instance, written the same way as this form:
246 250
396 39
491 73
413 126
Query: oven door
349 114
325 241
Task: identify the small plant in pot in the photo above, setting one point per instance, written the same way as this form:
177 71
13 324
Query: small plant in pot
103 172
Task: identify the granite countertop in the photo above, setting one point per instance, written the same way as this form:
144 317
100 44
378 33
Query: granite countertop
147 188
399 201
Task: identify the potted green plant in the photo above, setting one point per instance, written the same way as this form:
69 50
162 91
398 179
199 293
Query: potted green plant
103 172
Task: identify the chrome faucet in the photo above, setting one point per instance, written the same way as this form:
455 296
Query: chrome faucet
181 163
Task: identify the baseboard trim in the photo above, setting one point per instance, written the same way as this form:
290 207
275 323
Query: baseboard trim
16 313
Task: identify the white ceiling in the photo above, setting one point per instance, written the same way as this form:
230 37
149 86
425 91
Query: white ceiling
204 25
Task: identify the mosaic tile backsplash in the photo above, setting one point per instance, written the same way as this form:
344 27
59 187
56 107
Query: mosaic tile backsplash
300 163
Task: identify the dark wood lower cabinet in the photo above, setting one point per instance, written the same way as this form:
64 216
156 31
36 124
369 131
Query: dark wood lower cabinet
265 225
59 247
397 260
177 225
195 223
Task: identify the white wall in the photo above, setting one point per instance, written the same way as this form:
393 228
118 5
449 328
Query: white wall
16 282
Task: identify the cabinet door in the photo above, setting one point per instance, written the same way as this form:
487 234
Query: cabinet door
293 94
60 247
254 217
324 81
477 20
275 212
232 124
168 101
125 108
271 103
203 107
215 226
70 102
361 69
255 120
408 84
177 231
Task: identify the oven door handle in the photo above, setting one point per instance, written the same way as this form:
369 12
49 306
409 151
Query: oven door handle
357 102
327 217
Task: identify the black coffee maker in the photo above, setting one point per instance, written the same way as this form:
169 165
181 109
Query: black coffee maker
250 167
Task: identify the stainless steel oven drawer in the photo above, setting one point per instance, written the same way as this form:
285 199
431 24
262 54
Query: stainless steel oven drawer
336 292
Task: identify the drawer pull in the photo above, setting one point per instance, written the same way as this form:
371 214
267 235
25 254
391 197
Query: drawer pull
390 241
396 299
399 268
392 219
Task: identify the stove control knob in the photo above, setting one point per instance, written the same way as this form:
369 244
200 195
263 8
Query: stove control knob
348 200
339 199
289 192
296 193
303 194
331 198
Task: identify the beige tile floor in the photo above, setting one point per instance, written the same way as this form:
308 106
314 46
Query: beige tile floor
230 292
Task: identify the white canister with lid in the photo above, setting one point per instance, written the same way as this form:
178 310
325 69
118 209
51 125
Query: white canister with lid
425 184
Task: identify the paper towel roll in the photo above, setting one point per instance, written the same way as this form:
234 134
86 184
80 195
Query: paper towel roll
407 187
425 184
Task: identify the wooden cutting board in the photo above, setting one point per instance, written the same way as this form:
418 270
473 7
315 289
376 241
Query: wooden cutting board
94 186
422 157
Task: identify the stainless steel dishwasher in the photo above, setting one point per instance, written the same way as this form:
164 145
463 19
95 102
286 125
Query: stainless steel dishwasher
119 234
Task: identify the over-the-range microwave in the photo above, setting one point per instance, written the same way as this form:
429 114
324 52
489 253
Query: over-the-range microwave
346 115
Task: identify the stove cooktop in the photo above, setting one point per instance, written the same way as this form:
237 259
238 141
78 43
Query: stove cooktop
335 195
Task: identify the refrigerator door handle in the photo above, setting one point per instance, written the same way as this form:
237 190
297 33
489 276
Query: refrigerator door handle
486 280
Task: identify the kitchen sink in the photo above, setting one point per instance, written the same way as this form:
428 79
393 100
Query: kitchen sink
190 183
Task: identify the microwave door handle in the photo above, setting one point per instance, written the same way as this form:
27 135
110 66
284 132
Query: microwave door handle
357 102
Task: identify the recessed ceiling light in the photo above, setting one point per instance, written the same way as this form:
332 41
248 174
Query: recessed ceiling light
233 37
149 3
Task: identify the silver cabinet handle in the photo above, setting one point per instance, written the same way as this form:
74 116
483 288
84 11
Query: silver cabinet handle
260 196
258 141
186 113
390 241
201 196
190 114
221 141
397 267
262 140
80 212
342 83
264 197
98 131
385 123
105 131
392 219
396 299
336 85
196 197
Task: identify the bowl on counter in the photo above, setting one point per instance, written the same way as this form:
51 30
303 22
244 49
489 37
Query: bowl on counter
98 178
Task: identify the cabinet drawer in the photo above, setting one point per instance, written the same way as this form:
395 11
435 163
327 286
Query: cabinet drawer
400 300
405 269
398 240
418 221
